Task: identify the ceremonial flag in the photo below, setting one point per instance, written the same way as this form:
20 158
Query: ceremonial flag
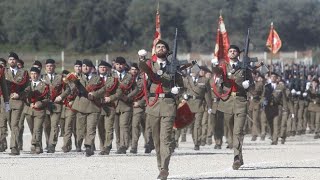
273 42
222 42
157 35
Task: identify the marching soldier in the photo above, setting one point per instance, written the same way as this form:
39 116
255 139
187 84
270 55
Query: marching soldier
5 107
237 82
57 94
161 105
198 93
17 80
124 105
314 105
275 102
37 98
88 109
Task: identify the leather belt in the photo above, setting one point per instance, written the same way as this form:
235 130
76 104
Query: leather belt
161 95
234 94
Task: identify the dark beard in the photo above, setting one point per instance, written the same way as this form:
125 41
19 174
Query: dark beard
161 54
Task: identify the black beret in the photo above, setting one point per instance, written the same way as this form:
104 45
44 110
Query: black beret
164 43
37 63
65 72
21 62
104 63
34 69
3 61
234 47
78 62
315 80
135 65
205 68
87 62
14 55
274 73
120 60
50 61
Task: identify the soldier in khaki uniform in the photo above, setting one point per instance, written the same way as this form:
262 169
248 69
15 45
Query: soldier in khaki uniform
37 98
124 106
161 105
51 123
17 80
198 92
234 106
88 110
5 107
275 101
314 105
109 94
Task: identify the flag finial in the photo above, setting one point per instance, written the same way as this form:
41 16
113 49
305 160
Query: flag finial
220 12
158 7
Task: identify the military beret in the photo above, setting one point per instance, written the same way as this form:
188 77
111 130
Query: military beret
87 62
274 73
37 63
315 80
205 68
34 69
135 65
50 61
65 72
164 43
78 62
120 60
104 63
14 55
234 47
3 61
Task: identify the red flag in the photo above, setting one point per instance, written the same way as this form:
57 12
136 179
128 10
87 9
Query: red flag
273 42
157 35
222 42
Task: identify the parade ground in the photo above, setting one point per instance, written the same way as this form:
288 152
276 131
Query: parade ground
299 158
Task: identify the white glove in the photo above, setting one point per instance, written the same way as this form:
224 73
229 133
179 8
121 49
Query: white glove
298 92
7 106
293 91
58 99
305 94
185 96
209 111
175 90
142 54
292 115
215 61
246 84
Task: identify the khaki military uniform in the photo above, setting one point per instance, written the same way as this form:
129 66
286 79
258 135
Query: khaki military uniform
215 121
38 95
161 111
88 111
106 120
234 107
4 94
199 93
314 108
16 83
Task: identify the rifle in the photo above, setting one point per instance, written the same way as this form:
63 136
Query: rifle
246 60
175 65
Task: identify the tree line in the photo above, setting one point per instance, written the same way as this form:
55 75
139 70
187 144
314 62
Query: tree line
127 25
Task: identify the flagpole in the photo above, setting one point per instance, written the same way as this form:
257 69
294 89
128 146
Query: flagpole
271 46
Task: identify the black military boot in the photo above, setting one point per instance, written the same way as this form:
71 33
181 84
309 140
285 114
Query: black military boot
236 163
89 151
163 174
197 147
51 149
254 138
14 152
133 150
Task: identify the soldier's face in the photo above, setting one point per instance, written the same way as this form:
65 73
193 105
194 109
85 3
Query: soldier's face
119 67
134 71
50 68
12 62
233 53
34 76
102 70
273 78
161 51
208 75
86 69
201 73
77 68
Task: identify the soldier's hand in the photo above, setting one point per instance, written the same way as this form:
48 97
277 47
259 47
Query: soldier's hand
58 99
142 54
90 96
135 104
183 101
293 91
175 90
7 106
14 96
292 115
246 84
209 111
305 94
107 99
215 62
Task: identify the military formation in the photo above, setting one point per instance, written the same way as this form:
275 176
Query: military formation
121 101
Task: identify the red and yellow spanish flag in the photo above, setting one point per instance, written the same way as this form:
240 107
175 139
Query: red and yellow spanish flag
157 35
222 42
273 42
